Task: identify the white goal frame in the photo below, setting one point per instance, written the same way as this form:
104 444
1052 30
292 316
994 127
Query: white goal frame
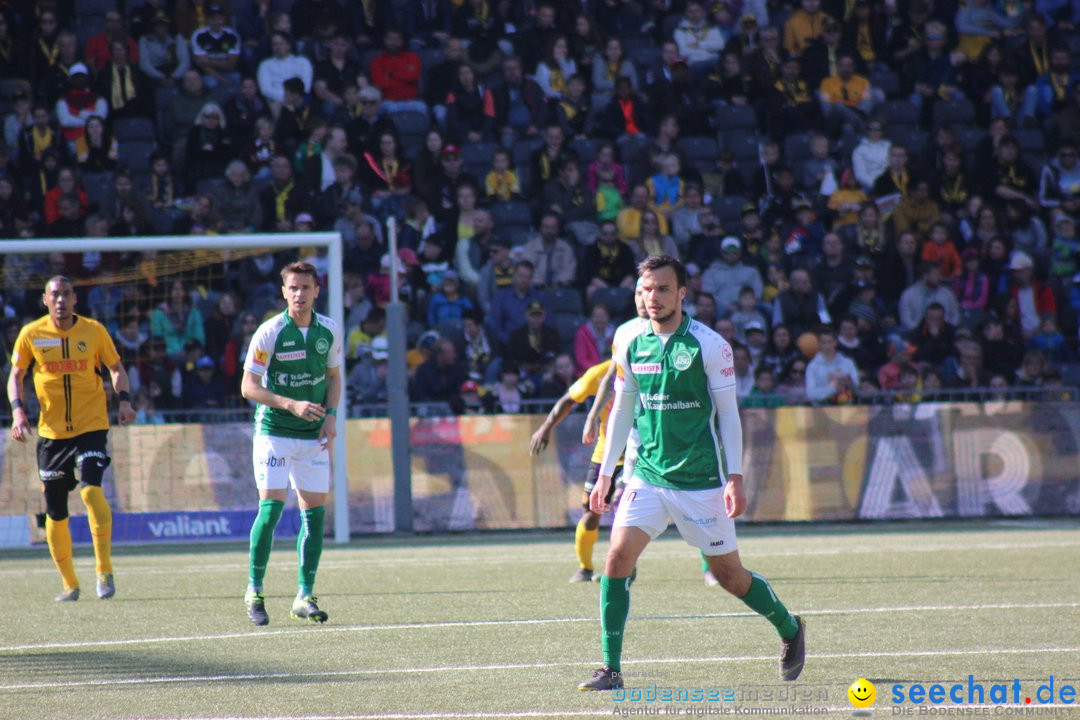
275 241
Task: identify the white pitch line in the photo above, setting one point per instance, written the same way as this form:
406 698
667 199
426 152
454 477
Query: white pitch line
430 559
177 679
255 634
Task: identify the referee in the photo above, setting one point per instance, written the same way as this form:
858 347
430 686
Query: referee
66 351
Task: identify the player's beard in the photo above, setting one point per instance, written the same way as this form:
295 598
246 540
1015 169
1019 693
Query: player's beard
664 319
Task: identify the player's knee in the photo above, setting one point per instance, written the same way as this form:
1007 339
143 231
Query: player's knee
92 468
733 578
56 500
619 562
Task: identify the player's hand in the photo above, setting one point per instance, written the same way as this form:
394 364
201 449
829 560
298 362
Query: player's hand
328 431
734 496
598 497
539 440
125 415
590 432
307 410
20 425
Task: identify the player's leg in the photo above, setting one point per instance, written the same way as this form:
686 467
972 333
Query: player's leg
588 527
310 475
271 479
56 470
641 517
91 461
702 521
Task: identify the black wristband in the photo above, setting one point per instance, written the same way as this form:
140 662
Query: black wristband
124 396
16 404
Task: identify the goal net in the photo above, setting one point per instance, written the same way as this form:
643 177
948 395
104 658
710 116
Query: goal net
181 311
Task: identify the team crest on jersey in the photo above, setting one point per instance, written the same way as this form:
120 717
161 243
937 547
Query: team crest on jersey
80 346
682 360
726 353
322 346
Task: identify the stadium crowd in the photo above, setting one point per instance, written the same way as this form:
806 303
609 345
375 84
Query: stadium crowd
869 195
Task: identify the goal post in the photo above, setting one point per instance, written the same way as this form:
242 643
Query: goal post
331 241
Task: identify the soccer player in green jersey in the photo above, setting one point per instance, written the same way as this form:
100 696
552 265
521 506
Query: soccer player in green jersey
689 465
293 372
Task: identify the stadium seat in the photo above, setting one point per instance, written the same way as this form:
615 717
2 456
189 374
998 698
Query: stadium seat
736 117
478 152
728 210
98 187
563 301
96 7
912 139
133 128
1031 140
886 81
617 300
222 94
797 147
968 137
523 150
699 150
567 327
745 145
897 113
135 155
206 186
411 122
954 112
586 149
512 214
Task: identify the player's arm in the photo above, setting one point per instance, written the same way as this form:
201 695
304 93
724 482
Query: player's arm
333 392
558 413
591 431
122 385
20 423
720 375
251 388
620 422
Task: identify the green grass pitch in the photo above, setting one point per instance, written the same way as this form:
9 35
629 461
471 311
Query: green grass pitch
487 626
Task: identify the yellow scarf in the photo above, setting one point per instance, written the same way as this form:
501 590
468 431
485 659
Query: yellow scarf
50 53
390 168
864 44
612 71
1060 84
42 141
1039 58
200 15
569 108
123 86
302 118
558 83
955 193
280 198
161 191
369 11
901 181
499 184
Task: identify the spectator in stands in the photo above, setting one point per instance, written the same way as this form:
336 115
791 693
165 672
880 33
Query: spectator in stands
929 290
97 149
496 274
362 338
1033 298
501 184
607 263
182 112
552 257
444 189
651 241
208 147
508 304
533 344
121 195
1060 177
952 188
385 176
607 68
215 48
124 86
237 200
917 211
164 57
331 204
282 65
427 23
803 26
592 343
831 378
370 122
176 321
933 337
481 28
846 97
941 250
626 113
792 106
66 183
870 159
333 74
470 109
556 67
567 197
396 72
78 103
42 135
472 253
934 71
443 76
243 110
99 46
21 117
727 274
43 48
1009 178
1052 89
318 169
439 379
800 307
68 221
699 41
1010 99
284 199
519 104
298 123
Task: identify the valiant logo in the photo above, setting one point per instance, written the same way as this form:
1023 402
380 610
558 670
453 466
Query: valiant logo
184 526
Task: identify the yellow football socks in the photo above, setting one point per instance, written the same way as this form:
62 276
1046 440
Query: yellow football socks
59 537
584 539
100 516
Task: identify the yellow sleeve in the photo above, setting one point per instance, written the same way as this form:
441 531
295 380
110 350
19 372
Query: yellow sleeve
588 384
24 351
107 351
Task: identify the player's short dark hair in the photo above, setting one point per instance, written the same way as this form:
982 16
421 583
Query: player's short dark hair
655 262
300 268
825 330
60 279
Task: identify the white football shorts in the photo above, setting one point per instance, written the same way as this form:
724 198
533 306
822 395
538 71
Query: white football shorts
698 514
281 461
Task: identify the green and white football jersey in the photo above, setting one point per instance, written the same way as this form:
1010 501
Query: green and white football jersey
292 362
676 420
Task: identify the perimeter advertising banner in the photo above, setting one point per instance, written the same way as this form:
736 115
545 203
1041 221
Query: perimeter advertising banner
194 482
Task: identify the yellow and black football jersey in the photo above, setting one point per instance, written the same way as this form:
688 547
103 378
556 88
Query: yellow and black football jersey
66 378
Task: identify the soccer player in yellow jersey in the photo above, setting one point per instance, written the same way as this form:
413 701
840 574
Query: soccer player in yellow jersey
66 350
588 528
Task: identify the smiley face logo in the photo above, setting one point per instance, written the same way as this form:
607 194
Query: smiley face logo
862 693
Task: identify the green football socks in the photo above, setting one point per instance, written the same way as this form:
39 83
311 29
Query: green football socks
262 540
614 607
762 600
309 546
